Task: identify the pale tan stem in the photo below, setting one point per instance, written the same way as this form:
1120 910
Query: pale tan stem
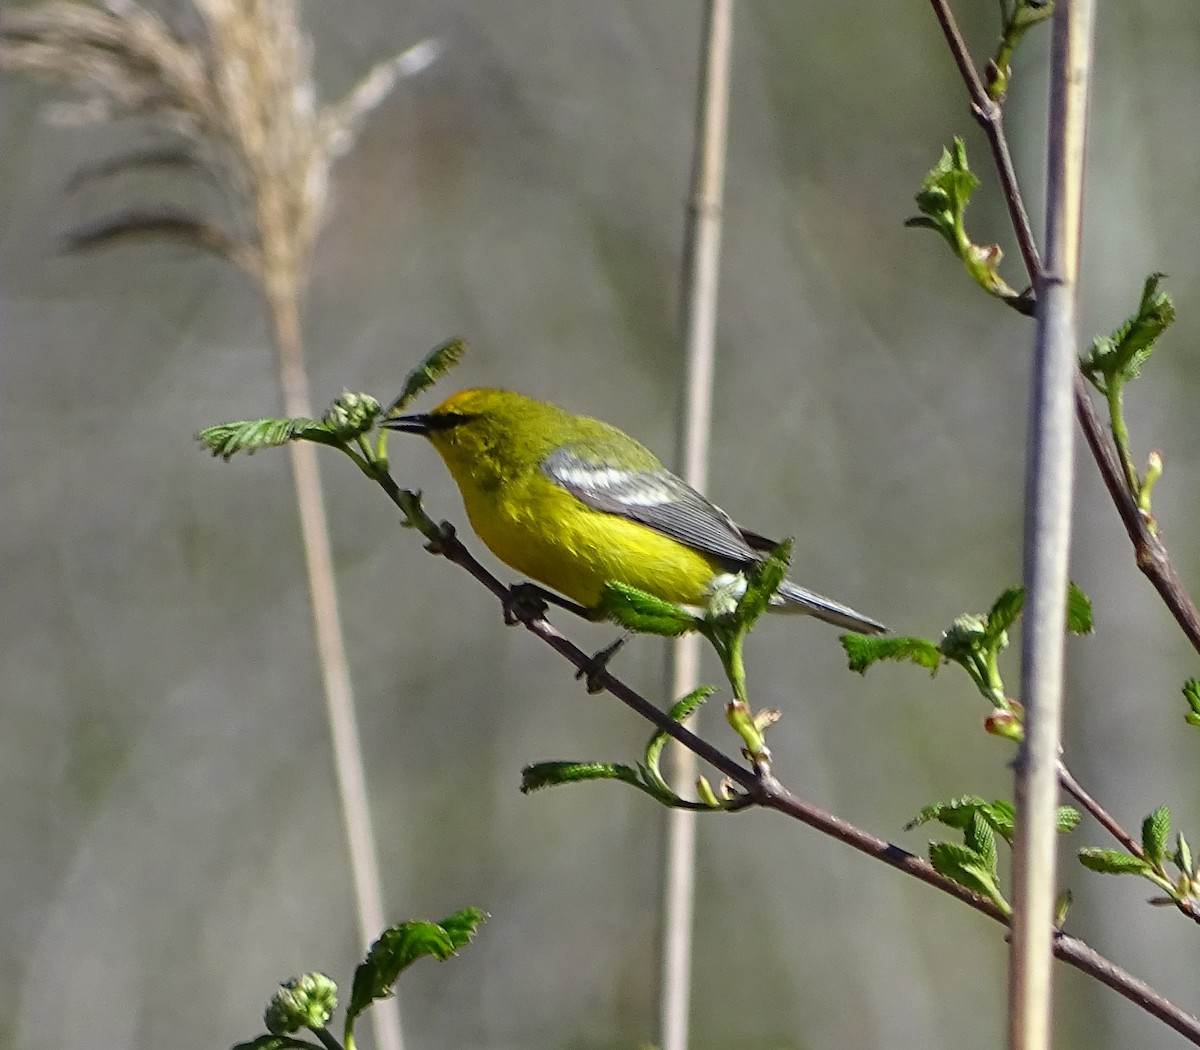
1047 534
701 263
348 764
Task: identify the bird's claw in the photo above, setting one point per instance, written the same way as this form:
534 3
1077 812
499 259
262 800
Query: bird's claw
594 670
444 538
523 603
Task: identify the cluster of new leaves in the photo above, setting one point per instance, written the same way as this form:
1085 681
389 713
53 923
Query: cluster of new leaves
1182 885
308 1002
1116 359
974 642
942 201
348 419
1191 693
350 416
974 863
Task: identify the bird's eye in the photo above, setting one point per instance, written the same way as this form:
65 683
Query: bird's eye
449 420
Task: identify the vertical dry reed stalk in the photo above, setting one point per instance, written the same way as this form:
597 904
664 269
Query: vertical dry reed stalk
701 271
241 106
1048 483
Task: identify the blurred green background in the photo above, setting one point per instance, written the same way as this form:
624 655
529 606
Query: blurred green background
172 846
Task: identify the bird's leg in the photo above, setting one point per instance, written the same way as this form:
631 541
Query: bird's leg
598 664
527 601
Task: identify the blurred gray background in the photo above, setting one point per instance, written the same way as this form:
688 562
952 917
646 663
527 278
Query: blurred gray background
171 843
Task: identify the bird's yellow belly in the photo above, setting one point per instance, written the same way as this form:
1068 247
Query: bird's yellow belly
559 541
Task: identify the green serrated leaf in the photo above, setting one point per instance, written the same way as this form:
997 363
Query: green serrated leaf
942 201
636 610
439 361
399 947
249 435
1079 610
1004 612
463 925
980 838
686 706
1112 861
945 193
1067 819
862 651
1062 905
762 583
1115 360
1156 829
681 710
1007 609
1002 816
551 774
1191 693
956 813
966 867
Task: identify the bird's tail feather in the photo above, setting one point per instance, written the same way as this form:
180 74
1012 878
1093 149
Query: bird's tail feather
792 598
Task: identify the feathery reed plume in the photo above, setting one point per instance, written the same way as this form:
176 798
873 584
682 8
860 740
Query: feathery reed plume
241 107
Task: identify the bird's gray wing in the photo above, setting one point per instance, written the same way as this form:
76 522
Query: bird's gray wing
654 498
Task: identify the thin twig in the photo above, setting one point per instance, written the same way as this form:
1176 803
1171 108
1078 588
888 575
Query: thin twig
1073 788
698 300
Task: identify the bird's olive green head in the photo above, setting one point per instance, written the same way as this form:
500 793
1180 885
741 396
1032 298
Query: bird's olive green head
483 431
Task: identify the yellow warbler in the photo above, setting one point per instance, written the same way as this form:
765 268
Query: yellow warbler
575 504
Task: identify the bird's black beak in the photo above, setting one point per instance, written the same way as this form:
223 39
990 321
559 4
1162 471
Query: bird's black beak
426 424
409 424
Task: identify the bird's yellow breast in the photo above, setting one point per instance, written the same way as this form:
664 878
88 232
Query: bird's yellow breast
541 530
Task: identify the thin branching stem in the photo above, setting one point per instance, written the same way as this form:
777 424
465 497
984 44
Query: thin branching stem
1106 820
